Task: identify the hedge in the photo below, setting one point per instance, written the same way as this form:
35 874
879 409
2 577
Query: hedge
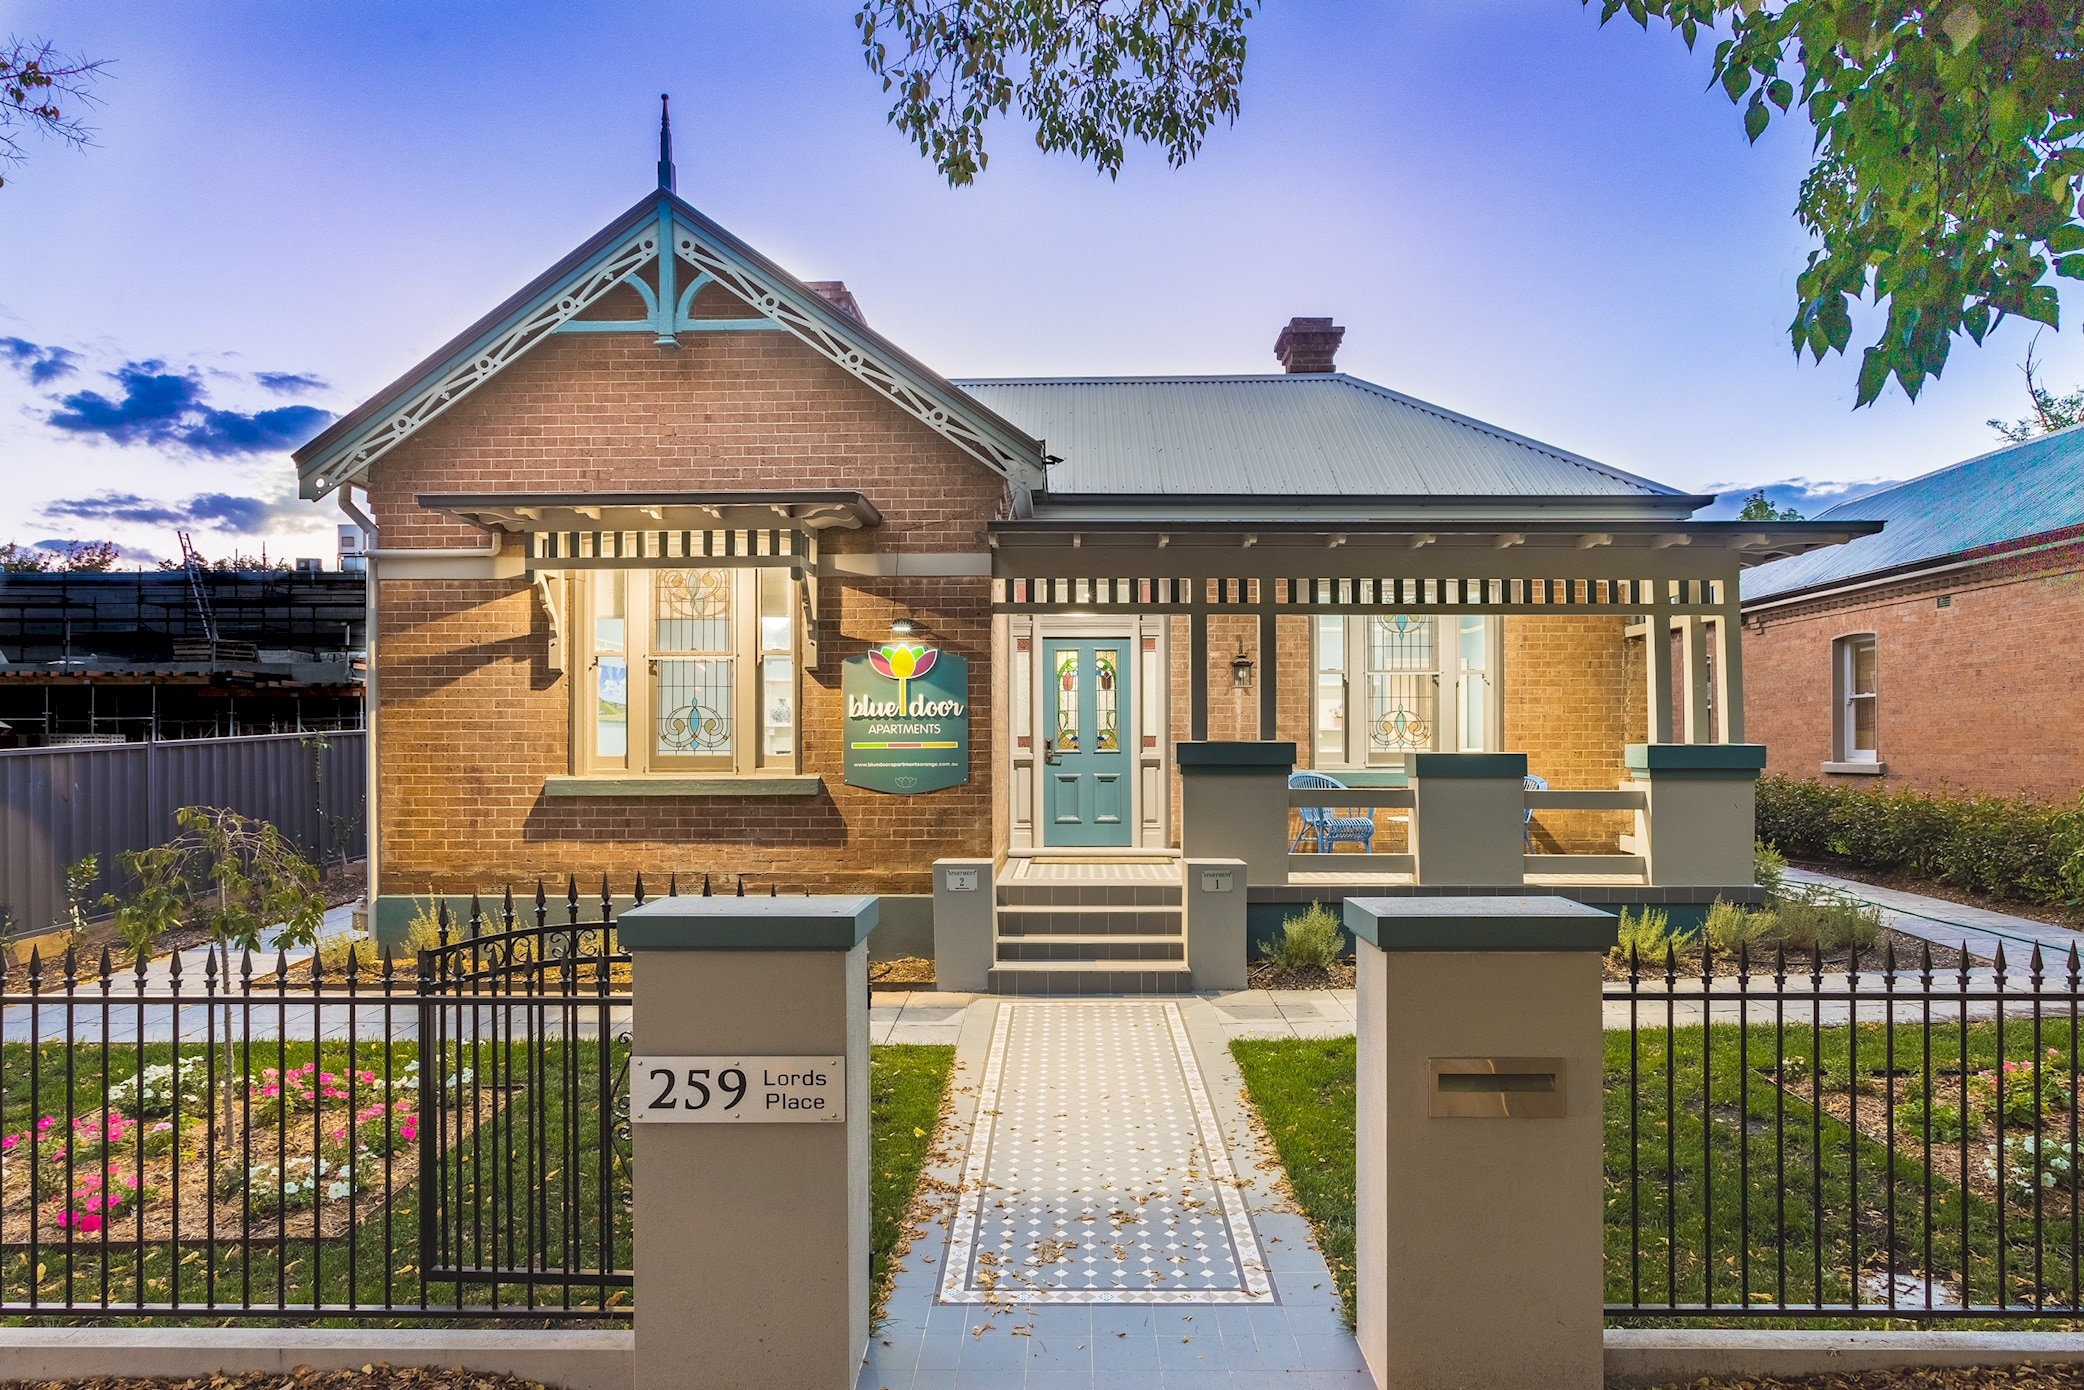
2002 847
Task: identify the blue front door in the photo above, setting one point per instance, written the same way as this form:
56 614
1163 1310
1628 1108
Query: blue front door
1088 770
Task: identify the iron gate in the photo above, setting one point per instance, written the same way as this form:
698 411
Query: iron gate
524 1111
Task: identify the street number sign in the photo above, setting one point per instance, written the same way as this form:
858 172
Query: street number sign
738 1090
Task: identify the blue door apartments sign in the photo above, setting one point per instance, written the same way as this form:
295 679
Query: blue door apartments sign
907 725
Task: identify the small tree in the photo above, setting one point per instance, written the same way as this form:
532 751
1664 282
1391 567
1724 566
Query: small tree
234 875
1759 507
79 880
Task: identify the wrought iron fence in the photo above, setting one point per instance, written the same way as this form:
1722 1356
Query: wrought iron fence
222 1134
1810 1138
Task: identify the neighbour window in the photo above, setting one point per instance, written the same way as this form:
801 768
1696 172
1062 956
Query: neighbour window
691 670
1859 687
1388 685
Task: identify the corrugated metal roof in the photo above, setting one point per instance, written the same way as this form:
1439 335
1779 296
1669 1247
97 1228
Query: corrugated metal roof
1282 436
2009 494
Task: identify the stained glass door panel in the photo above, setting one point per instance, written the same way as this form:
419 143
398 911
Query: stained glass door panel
1087 772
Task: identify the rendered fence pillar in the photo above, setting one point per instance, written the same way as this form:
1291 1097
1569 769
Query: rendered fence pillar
1479 1259
752 1238
1213 900
964 924
1468 821
1701 820
1234 805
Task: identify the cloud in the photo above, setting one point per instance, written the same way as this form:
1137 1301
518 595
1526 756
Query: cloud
221 511
169 408
1805 495
39 363
290 383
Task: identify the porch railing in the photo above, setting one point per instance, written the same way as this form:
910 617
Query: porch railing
1402 801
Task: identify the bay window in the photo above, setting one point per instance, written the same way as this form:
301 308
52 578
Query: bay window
686 670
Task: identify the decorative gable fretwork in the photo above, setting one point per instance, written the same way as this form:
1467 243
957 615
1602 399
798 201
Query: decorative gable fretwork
630 255
348 459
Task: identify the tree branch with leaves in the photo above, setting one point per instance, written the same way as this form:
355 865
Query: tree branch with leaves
1947 154
41 91
1092 75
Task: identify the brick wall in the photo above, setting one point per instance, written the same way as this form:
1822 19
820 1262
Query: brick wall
1572 700
472 721
1978 696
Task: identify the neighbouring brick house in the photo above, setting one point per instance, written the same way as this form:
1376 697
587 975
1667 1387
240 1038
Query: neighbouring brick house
678 564
1935 654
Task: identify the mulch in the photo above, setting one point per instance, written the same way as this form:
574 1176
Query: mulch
2060 1376
371 1377
1265 975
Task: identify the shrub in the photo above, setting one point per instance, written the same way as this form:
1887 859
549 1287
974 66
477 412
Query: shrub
1768 868
2004 847
1312 941
1815 918
1646 935
1731 927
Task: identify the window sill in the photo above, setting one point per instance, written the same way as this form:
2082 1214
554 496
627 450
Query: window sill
720 784
1857 769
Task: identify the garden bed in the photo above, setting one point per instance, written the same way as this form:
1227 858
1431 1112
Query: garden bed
375 1376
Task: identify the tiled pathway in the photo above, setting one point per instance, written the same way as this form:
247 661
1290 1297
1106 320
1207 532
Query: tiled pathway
1106 1219
1947 923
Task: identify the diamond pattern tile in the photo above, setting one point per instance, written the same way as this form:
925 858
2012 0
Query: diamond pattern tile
1096 1171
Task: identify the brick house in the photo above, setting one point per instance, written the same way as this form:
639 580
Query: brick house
1931 655
665 542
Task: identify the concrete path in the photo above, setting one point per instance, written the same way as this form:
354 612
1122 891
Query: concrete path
1953 924
1099 1212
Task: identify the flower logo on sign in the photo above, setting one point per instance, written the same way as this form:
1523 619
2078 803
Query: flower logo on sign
902 662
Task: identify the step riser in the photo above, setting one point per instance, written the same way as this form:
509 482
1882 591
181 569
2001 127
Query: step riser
1046 950
1015 925
1089 894
1045 981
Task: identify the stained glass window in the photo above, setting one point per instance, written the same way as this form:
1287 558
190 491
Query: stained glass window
1067 700
1107 726
693 670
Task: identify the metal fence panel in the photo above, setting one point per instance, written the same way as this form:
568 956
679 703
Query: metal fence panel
58 805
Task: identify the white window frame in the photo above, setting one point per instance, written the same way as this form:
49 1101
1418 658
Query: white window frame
1451 675
1844 653
752 650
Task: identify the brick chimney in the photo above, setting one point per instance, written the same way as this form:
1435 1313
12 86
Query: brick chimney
1308 345
836 293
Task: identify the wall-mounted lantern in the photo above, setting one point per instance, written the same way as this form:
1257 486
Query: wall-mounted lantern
1241 669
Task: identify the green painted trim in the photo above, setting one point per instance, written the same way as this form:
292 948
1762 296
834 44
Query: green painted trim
725 785
1500 766
1725 758
1481 924
829 923
1213 756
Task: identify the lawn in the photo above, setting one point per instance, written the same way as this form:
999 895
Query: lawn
1781 1188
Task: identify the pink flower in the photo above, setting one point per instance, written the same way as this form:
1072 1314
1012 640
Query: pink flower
161 1127
45 1123
8 1143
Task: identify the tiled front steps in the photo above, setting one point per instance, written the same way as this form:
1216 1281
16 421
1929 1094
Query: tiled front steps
1077 929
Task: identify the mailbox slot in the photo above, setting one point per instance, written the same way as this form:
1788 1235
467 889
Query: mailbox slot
1494 1088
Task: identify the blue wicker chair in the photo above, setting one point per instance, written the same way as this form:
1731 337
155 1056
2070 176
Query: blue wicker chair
1534 784
1331 825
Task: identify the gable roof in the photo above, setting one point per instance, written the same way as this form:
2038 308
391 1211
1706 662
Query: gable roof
1290 437
614 256
2007 495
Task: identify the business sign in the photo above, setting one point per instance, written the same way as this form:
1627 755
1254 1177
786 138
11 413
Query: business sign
907 725
738 1090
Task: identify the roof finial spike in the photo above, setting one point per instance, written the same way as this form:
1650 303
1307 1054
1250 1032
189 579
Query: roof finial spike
665 144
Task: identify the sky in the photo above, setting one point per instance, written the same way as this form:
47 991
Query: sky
1513 212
